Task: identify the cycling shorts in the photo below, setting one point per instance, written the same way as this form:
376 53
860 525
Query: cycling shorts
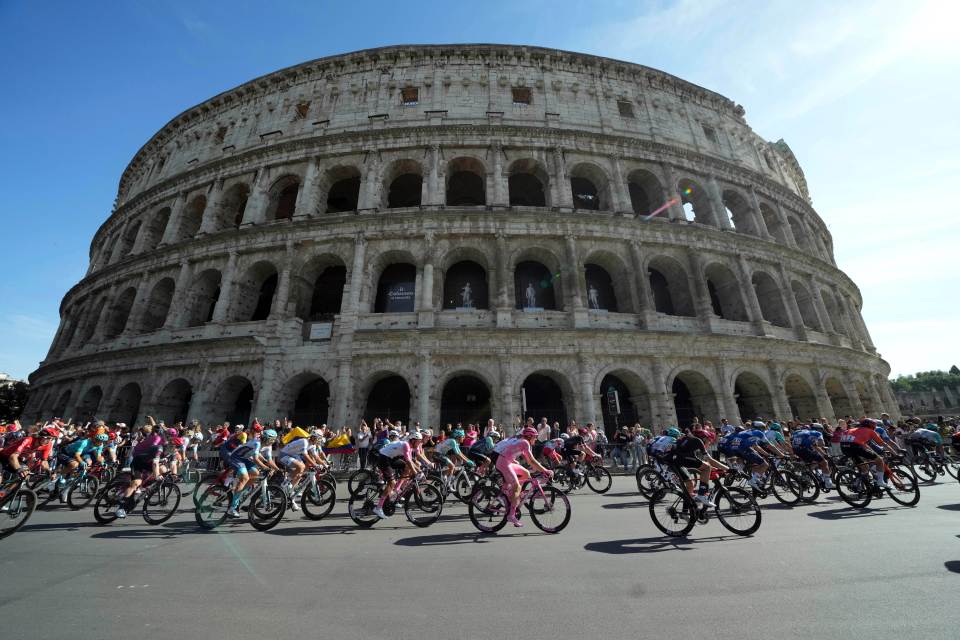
748 455
287 461
142 464
242 467
858 453
441 461
5 463
572 454
390 467
688 462
809 455
477 458
64 458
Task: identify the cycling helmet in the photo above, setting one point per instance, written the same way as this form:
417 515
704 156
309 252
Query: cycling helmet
49 432
258 428
757 424
564 436
458 433
775 426
173 433
557 441
269 434
393 433
703 434
112 436
416 435
316 434
869 423
237 428
529 432
102 437
673 432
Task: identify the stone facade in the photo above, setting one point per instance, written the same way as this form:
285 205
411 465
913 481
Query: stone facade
930 404
299 245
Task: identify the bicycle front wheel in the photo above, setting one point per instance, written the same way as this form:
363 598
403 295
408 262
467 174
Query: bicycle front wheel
853 488
161 502
266 508
82 492
17 509
317 501
360 478
109 500
673 513
738 511
487 509
599 479
361 504
785 487
903 486
212 506
925 471
808 486
424 506
549 509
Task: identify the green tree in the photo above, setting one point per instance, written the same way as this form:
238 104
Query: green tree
13 398
954 371
927 380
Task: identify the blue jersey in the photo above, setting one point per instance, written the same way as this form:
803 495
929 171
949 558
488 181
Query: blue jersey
746 439
93 452
806 439
883 434
77 446
247 450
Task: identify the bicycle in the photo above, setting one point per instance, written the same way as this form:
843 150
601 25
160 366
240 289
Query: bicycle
318 494
548 506
676 513
781 482
928 465
82 489
17 504
422 502
591 472
161 497
858 489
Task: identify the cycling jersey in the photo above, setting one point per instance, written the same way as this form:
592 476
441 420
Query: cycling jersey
925 435
246 451
806 439
745 440
883 434
23 445
92 453
688 451
774 437
662 445
396 450
573 444
860 436
295 448
512 448
446 447
75 447
483 446
149 446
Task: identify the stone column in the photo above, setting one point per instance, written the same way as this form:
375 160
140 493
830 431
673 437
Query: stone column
647 308
857 319
173 222
824 406
370 188
504 309
843 312
619 192
212 212
876 398
279 311
256 210
562 197
424 382
307 196
671 192
716 203
226 289
785 225
750 296
759 222
588 404
826 322
726 402
781 404
507 408
698 285
426 314
850 386
662 399
435 192
793 309
341 400
356 272
104 315
138 308
179 307
498 189
573 273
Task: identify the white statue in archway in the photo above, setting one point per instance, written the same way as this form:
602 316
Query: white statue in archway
466 295
593 297
531 296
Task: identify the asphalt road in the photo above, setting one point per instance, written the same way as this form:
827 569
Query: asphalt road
821 571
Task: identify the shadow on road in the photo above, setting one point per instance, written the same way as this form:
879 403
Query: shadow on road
624 505
848 513
168 530
650 545
952 566
60 526
314 531
622 494
949 507
443 539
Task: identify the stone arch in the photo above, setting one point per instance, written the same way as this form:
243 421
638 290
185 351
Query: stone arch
341 189
619 275
808 310
866 400
119 314
466 285
528 184
466 182
724 290
156 225
833 311
282 197
646 192
548 394
396 283
693 396
232 207
772 221
172 404
233 400
633 394
387 396
60 407
191 218
306 399
770 298
800 397
536 268
465 398
839 399
799 233
317 288
670 287
157 308
403 185
89 404
72 319
91 320
695 202
204 294
254 293
589 187
126 405
129 238
753 396
739 212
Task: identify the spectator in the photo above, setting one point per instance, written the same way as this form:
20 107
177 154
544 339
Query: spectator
621 441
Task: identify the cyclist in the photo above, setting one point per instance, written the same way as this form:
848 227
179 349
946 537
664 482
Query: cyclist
889 443
483 447
575 448
774 435
416 441
809 446
853 444
395 456
450 448
242 460
690 452
294 456
11 456
514 475
551 449
751 446
94 453
228 440
924 439
145 462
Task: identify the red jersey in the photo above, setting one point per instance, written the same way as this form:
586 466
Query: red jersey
23 445
861 436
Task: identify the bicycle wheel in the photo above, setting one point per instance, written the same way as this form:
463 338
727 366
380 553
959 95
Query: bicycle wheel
550 510
108 501
317 501
212 506
673 513
266 508
359 479
361 504
463 487
423 507
200 487
82 492
785 486
599 479
808 486
487 509
903 486
737 511
160 502
924 470
853 488
17 509
952 466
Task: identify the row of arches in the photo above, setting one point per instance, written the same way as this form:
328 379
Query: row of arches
466 181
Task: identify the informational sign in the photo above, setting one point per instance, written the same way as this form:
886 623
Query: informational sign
400 297
613 401
321 330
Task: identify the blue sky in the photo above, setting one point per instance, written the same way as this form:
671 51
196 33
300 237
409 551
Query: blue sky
865 93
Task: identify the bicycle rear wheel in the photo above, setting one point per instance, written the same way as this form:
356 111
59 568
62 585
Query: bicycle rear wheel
853 488
160 502
82 492
785 487
266 508
463 487
952 465
598 479
359 478
673 513
737 511
212 506
361 504
423 507
925 471
108 501
549 510
317 501
808 486
903 487
487 509
17 509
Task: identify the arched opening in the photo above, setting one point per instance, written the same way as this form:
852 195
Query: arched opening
527 184
234 400
800 397
91 318
805 303
327 295
724 290
544 399
753 397
771 302
589 187
232 207
129 239
772 221
535 286
617 404
61 406
191 218
312 405
465 286
585 194
254 293
344 192
671 291
465 183
89 405
158 306
126 408
173 403
839 400
156 226
465 399
600 291
396 289
866 401
119 313
833 310
739 212
389 399
646 194
693 396
799 233
283 198
204 294
695 202
72 319
405 191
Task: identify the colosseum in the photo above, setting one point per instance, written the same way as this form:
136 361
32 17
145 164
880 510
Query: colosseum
447 233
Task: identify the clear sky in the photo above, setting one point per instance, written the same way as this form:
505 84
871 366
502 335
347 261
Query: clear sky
867 94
